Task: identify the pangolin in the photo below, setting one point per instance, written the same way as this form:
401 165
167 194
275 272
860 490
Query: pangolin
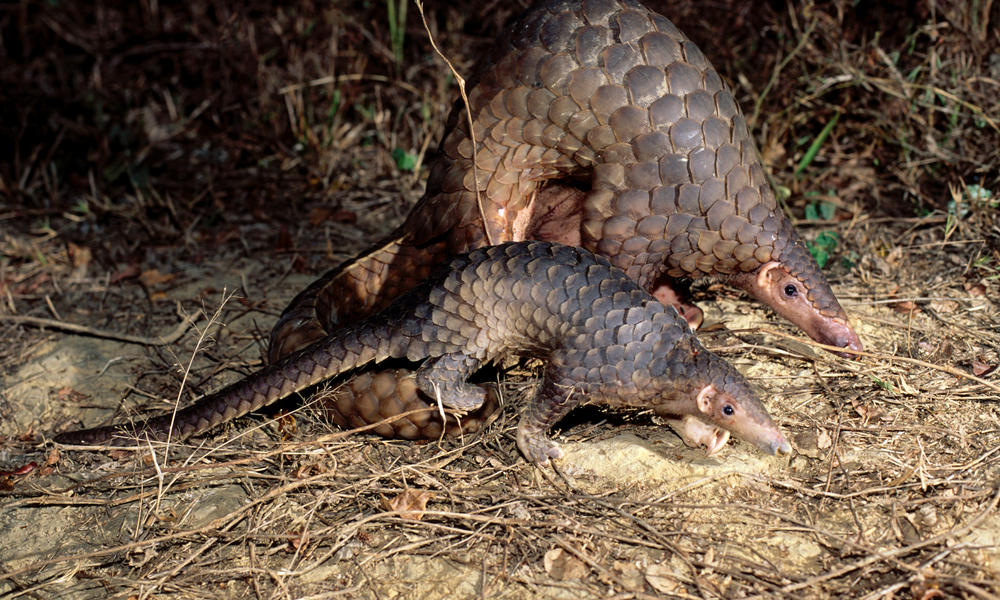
603 338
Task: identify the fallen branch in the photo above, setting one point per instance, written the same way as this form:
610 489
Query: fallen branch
163 340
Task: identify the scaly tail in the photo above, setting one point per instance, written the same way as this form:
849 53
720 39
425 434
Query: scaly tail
350 349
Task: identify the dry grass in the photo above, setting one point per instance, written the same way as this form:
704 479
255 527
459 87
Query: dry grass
162 152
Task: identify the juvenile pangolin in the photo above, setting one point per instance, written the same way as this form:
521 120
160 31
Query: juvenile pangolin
603 338
597 123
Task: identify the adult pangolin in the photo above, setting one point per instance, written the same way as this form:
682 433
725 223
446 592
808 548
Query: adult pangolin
596 123
603 338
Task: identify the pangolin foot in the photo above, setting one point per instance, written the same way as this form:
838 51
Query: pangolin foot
698 434
677 296
537 448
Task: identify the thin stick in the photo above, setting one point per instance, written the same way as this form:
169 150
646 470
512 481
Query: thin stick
180 390
159 340
468 115
888 357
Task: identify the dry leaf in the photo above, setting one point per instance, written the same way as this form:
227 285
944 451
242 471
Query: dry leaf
807 444
287 425
823 440
316 467
28 435
22 470
297 542
629 575
867 412
906 388
981 369
79 256
895 256
906 306
153 277
925 586
68 394
129 272
944 306
562 565
661 579
284 241
976 290
410 504
927 516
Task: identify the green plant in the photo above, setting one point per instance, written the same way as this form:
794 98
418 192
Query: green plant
817 210
405 161
823 246
813 149
397 27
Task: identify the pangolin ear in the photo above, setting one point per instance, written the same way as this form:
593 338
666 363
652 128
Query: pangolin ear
705 399
768 273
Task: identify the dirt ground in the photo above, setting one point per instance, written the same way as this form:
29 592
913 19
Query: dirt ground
175 173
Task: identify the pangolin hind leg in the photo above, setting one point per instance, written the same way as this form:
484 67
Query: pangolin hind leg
444 378
371 396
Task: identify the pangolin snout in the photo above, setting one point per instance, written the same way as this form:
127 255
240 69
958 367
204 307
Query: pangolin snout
781 446
773 443
842 335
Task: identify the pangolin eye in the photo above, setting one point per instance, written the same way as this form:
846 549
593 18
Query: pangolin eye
791 291
728 410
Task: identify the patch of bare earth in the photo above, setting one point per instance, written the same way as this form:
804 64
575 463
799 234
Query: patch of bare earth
179 171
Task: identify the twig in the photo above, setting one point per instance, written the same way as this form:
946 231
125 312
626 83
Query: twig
254 458
888 357
187 371
160 340
468 114
349 77
225 522
892 554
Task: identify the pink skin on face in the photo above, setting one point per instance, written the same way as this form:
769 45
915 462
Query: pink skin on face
724 411
788 296
718 415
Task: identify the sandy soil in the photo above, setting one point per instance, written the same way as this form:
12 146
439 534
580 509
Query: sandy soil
893 483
